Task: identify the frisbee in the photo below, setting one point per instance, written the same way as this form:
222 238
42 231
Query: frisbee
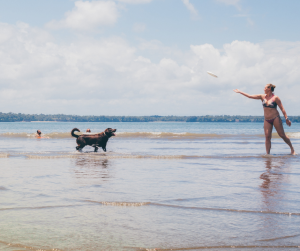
211 74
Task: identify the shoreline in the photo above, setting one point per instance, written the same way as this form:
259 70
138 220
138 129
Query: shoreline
42 118
135 122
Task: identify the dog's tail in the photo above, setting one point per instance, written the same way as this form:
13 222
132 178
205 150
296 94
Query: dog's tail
75 130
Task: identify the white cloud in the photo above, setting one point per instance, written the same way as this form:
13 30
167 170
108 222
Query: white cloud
6 33
191 8
108 76
88 15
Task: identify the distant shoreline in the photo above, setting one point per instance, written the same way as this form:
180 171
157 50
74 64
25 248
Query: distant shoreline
39 121
42 118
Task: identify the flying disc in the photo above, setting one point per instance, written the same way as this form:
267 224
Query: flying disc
211 74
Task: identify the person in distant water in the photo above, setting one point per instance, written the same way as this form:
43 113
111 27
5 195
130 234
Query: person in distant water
88 130
39 135
272 117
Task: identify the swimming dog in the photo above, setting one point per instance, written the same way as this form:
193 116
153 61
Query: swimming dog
95 140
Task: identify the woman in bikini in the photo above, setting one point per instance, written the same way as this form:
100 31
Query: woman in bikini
272 117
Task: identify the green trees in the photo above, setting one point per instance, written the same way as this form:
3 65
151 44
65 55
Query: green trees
19 117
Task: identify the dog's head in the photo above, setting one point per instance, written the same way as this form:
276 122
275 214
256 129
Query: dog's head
110 132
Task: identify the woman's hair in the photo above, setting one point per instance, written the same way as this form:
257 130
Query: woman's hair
271 86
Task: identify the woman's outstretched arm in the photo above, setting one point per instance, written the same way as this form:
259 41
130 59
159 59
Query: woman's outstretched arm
256 96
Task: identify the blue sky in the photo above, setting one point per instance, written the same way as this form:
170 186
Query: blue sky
143 57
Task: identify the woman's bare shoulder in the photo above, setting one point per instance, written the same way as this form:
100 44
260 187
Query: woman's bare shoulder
276 97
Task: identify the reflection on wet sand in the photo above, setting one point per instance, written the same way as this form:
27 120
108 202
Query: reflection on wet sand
273 194
273 181
91 170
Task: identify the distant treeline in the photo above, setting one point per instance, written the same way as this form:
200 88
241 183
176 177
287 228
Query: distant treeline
19 117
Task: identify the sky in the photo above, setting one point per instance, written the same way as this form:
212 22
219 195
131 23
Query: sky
147 57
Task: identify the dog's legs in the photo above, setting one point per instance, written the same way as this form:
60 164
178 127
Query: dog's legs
79 148
104 149
81 143
96 149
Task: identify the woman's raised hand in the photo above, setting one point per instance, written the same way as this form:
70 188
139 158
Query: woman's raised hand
237 91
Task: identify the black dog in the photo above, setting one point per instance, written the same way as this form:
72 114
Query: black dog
95 140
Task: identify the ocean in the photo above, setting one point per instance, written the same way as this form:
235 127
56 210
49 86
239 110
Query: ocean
159 186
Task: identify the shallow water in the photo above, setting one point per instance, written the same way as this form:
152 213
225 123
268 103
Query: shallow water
163 186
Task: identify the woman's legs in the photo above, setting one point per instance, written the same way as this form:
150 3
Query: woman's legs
279 128
268 134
